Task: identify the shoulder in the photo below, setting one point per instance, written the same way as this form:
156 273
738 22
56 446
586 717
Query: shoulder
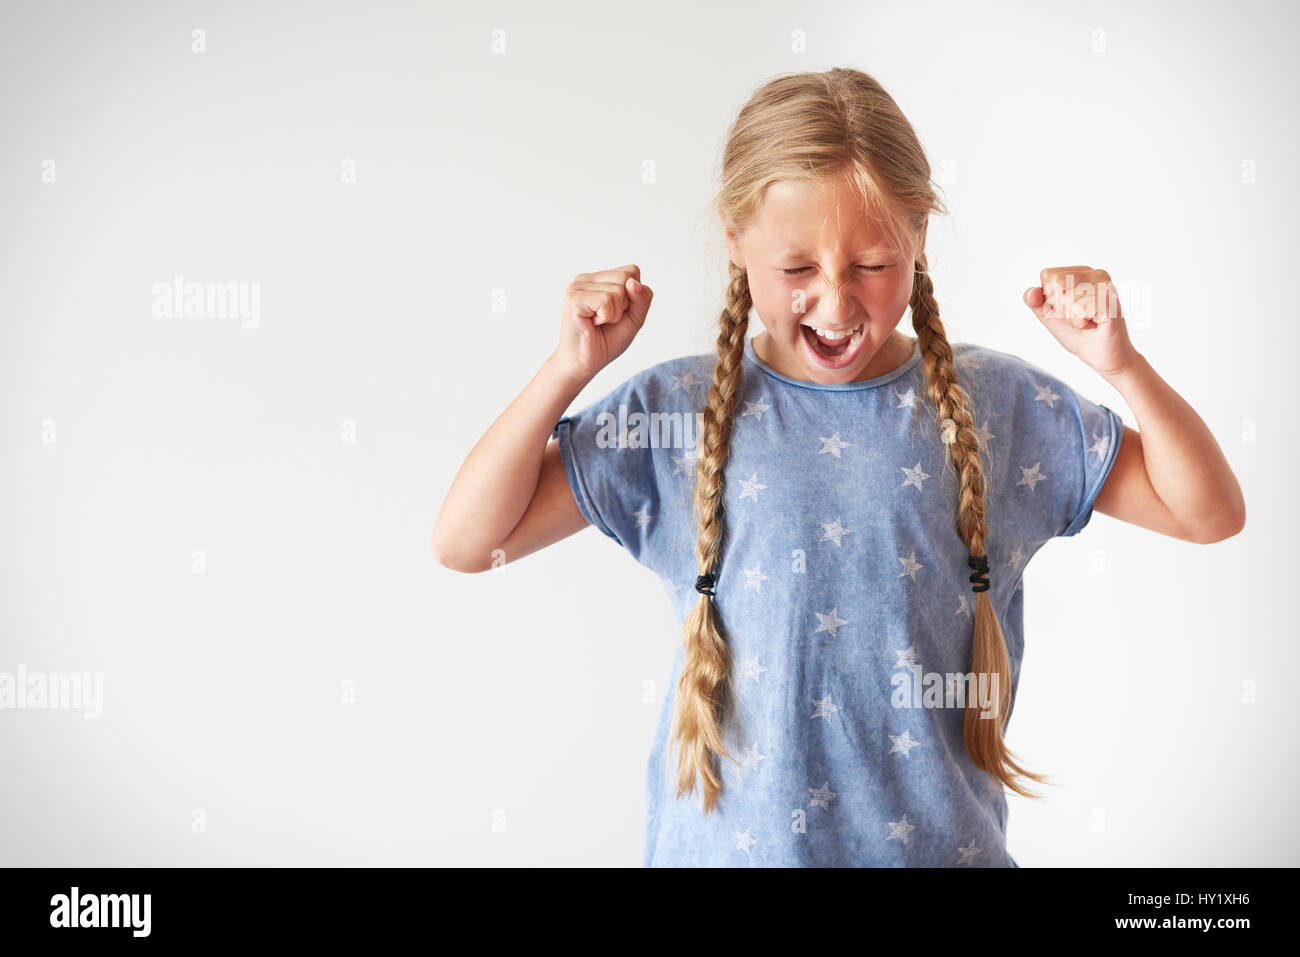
992 373
671 381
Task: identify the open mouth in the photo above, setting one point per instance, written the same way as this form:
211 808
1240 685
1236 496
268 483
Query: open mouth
833 348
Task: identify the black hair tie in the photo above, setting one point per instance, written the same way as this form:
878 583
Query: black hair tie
704 584
981 576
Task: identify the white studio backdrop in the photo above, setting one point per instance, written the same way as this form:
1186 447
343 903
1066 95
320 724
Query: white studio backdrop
227 517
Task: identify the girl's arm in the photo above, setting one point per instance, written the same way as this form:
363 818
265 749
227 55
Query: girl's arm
511 496
1170 477
511 493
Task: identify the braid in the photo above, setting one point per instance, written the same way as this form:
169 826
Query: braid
983 737
704 686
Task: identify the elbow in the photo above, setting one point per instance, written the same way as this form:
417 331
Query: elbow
455 561
1230 526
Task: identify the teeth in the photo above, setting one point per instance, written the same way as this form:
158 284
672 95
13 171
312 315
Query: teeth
835 336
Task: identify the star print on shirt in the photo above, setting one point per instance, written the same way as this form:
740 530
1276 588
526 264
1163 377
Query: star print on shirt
752 757
903 743
832 444
751 488
753 669
744 841
1031 477
968 854
1015 558
914 477
825 708
1045 394
688 382
1100 445
686 463
910 566
822 796
906 658
984 435
754 578
833 531
830 623
907 398
963 608
756 409
950 686
643 517
900 829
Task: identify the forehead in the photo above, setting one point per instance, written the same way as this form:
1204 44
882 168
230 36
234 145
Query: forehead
800 218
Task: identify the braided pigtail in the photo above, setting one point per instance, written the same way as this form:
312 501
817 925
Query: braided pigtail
704 687
982 735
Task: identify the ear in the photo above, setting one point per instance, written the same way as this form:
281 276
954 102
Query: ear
733 242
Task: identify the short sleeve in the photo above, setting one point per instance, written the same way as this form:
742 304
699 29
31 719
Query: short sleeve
1055 450
630 461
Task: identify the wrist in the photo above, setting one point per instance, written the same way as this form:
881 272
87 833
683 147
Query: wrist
571 381
1135 366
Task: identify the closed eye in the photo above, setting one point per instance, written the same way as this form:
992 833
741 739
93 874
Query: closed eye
795 272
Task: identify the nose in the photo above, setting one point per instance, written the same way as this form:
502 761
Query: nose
834 304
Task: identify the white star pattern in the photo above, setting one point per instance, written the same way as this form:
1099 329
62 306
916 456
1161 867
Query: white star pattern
744 841
910 566
752 757
900 829
643 517
822 796
968 854
755 408
950 687
984 435
963 608
751 488
1045 394
832 444
1015 558
687 462
914 477
754 578
903 743
830 623
1100 445
753 669
907 398
1031 477
825 708
833 531
688 382
906 658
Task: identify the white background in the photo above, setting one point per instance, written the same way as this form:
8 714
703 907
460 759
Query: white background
506 718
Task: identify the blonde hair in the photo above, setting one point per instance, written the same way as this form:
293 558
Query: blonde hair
812 127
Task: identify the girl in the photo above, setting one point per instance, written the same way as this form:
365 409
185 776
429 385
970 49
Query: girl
841 514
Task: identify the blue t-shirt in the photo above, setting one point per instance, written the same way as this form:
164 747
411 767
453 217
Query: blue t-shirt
843 591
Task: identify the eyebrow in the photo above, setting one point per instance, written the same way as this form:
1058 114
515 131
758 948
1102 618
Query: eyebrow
796 253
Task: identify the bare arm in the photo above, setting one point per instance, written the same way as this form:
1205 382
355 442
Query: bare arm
511 496
1171 477
509 469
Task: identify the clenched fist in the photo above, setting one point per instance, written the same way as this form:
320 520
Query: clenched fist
602 313
1080 307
